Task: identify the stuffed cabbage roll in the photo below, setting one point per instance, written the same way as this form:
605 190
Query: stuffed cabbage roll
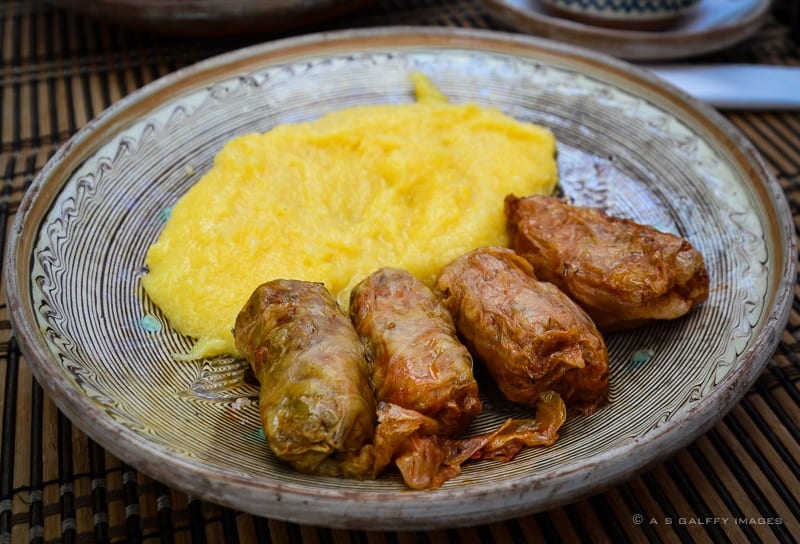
422 377
531 337
622 273
316 403
416 360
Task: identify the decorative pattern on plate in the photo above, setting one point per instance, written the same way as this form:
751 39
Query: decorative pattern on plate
624 145
625 8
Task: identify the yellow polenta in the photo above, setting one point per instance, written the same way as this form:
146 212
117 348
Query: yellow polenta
406 185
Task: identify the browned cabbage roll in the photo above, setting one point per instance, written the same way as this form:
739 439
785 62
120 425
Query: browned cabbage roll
530 335
622 273
316 404
416 360
422 376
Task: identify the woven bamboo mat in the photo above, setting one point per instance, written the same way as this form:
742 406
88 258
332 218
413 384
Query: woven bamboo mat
739 482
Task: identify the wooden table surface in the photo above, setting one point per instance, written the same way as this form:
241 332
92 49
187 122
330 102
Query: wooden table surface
738 482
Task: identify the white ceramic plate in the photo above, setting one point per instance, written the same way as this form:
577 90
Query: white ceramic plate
711 26
627 142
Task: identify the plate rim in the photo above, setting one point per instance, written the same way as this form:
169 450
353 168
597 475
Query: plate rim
290 498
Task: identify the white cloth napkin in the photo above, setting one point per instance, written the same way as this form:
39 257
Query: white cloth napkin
736 86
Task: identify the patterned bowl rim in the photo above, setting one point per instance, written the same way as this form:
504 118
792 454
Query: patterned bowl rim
616 8
411 510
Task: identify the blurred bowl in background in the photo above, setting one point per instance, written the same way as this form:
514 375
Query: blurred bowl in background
626 14
212 17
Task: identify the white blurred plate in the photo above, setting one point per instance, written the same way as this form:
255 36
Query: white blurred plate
711 26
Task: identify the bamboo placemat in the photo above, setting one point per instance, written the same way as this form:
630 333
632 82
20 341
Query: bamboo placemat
738 482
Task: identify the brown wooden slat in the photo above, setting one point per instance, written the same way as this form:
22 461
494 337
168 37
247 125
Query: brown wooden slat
793 123
374 537
7 113
531 529
785 131
7 24
770 154
52 516
733 451
468 535
279 532
22 459
775 148
710 495
653 517
246 528
680 508
564 528
9 379
624 515
215 532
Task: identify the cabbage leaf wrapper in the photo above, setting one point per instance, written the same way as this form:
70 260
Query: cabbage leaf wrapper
316 404
415 358
427 459
622 273
530 336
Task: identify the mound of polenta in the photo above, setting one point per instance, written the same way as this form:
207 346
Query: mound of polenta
406 185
